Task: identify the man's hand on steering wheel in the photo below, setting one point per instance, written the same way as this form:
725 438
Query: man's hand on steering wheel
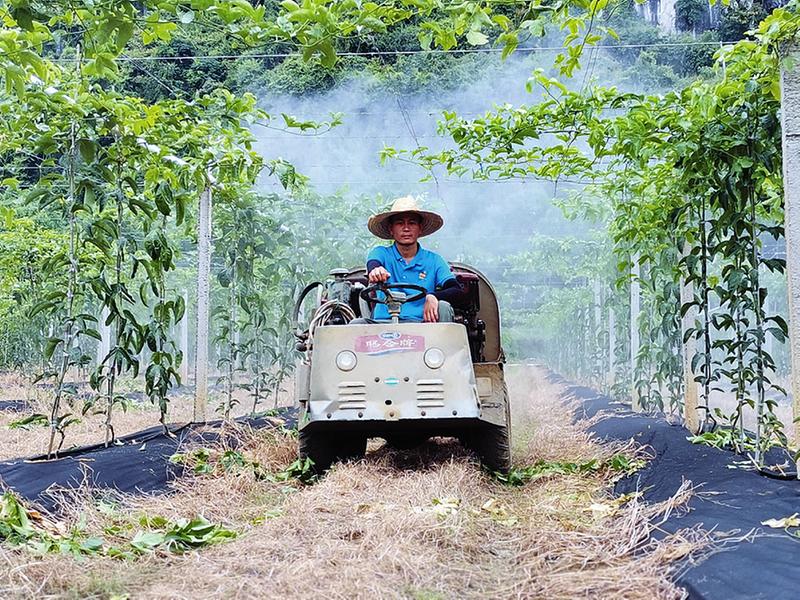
378 275
370 292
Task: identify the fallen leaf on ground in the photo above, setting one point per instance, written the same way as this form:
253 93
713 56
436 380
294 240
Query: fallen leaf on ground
498 512
601 509
793 521
446 506
605 509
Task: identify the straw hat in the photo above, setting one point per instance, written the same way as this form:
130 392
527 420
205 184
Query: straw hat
380 224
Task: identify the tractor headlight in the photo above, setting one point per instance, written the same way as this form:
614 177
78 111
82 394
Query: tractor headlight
434 358
346 360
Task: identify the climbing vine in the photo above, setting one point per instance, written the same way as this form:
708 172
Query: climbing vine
692 180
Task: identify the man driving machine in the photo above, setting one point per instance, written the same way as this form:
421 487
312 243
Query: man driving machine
406 261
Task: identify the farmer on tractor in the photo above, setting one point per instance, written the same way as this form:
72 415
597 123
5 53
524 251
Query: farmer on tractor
410 376
407 262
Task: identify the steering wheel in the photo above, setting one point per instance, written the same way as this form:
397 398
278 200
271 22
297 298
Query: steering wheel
369 293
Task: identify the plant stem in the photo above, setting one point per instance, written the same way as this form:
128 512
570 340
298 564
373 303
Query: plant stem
161 340
71 287
257 372
706 317
115 334
232 351
738 424
759 326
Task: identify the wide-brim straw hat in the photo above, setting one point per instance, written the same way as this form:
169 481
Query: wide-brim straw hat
381 224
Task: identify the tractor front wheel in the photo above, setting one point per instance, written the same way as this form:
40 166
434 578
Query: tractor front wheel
324 449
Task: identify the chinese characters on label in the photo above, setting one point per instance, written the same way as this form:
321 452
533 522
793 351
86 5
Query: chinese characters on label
384 344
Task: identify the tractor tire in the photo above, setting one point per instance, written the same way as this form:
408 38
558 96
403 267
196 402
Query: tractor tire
465 438
493 446
319 447
324 449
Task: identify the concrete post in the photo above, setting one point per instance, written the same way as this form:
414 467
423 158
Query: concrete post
790 121
612 344
635 309
690 415
769 339
184 340
598 329
203 300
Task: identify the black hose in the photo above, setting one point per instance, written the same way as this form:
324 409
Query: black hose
787 476
709 423
773 473
299 303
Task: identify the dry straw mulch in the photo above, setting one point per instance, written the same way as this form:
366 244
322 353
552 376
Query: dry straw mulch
425 524
140 414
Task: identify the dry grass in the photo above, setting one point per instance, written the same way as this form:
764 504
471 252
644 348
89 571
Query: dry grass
426 524
90 430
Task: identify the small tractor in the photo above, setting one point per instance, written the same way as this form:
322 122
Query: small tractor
401 381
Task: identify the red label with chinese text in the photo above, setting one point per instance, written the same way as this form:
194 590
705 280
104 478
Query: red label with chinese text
389 342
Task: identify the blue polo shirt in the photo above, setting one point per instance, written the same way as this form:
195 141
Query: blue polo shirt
426 269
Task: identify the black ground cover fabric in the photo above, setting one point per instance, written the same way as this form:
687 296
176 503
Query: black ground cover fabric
14 405
138 465
732 500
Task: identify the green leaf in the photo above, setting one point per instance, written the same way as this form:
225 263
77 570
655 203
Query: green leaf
146 541
328 58
23 16
87 149
102 66
477 38
35 420
180 208
163 31
510 42
179 308
45 305
92 545
50 347
775 89
93 333
162 205
186 17
124 34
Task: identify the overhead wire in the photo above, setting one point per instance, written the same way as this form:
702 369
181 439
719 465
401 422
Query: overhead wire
410 127
378 182
523 50
514 180
404 112
160 82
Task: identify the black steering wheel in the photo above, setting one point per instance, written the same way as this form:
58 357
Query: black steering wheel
369 293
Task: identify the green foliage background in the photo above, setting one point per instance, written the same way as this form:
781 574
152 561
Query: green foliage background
117 117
